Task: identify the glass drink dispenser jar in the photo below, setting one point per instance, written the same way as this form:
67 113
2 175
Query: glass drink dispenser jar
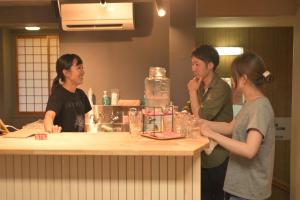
157 88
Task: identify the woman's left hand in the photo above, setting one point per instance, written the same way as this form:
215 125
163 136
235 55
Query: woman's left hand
206 131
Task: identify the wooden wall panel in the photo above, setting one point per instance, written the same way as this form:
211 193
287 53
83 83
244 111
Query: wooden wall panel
50 176
25 175
65 175
130 177
147 178
99 177
1 77
275 46
82 193
122 178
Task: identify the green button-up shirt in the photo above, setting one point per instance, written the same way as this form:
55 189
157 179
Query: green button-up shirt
215 105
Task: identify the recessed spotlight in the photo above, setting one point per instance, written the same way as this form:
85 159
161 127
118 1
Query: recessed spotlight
32 28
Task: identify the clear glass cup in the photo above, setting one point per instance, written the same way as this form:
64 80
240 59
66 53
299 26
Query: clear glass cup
135 121
181 123
186 125
178 128
168 118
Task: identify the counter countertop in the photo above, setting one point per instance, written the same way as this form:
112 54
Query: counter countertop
101 144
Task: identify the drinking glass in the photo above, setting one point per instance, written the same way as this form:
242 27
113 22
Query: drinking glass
182 123
194 131
135 121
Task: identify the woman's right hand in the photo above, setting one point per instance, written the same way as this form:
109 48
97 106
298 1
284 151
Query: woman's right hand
56 129
48 123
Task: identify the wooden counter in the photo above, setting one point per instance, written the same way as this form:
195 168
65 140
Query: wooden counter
101 144
103 166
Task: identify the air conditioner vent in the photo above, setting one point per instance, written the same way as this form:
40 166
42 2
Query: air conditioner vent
93 16
95 25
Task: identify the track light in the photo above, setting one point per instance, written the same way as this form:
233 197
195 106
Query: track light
159 8
161 12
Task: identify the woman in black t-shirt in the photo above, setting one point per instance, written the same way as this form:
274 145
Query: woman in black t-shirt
67 104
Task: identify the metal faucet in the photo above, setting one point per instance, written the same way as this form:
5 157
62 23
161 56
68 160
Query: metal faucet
98 117
114 117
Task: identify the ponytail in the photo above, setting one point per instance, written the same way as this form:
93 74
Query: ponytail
253 66
268 78
55 84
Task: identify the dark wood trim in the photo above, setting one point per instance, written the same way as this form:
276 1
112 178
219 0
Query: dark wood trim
281 184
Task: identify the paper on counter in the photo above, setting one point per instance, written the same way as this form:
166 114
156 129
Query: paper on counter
212 145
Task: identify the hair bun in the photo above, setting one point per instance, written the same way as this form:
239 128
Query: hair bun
267 76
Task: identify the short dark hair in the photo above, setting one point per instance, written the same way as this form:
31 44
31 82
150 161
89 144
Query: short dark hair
253 66
207 53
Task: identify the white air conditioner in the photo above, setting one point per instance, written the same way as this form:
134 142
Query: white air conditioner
94 16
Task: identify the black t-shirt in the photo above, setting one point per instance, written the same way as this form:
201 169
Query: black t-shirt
70 109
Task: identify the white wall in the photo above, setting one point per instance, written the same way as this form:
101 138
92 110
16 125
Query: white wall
182 42
295 141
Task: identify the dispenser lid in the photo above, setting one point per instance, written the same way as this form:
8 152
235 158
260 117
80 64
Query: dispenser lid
157 72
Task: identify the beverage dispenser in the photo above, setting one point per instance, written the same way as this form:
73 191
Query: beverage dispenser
157 88
157 114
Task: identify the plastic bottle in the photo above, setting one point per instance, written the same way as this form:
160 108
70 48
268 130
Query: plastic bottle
105 98
90 96
114 96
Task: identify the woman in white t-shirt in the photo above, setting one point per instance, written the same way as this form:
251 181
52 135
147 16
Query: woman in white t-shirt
250 137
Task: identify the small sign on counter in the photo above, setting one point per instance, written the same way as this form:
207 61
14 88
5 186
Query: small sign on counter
283 128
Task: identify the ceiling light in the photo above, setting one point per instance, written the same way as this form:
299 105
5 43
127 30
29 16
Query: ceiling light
230 51
159 7
32 28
